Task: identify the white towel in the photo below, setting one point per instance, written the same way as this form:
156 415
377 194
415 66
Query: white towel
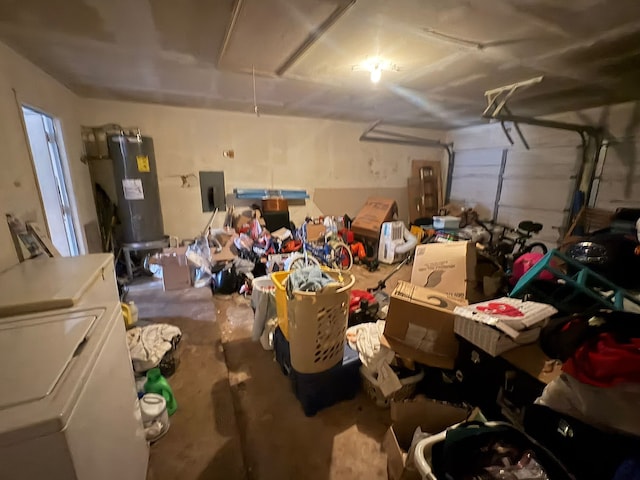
365 339
148 344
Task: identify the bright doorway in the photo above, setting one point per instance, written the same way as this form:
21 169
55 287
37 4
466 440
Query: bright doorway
51 178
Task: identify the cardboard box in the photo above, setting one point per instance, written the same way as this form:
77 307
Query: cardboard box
446 267
370 218
315 232
419 325
509 315
490 339
176 274
431 416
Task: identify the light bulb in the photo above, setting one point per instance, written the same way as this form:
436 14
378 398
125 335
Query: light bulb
376 74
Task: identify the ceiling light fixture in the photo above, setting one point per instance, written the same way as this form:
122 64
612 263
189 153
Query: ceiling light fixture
375 66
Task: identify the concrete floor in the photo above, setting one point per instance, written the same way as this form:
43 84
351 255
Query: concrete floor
237 417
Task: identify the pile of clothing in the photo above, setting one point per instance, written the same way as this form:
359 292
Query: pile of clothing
594 403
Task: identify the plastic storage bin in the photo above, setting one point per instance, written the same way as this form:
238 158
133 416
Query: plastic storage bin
370 383
316 391
318 323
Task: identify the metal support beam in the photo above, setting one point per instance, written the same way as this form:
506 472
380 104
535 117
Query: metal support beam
503 166
572 127
450 165
506 133
387 136
517 127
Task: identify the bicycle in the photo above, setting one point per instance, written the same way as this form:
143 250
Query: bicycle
334 254
512 242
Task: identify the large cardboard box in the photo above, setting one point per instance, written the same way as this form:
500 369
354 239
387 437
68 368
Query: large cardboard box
370 218
431 416
419 325
176 274
446 267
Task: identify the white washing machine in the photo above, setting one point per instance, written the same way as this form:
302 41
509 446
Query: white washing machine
68 404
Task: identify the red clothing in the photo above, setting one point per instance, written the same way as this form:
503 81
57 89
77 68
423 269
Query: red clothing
603 362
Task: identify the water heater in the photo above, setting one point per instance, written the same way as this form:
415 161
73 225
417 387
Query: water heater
136 178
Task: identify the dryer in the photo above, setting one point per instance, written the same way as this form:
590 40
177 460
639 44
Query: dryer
68 404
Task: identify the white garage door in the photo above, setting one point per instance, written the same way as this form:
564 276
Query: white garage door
617 184
475 178
538 185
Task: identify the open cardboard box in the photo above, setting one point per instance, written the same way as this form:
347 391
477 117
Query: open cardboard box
431 416
370 218
419 325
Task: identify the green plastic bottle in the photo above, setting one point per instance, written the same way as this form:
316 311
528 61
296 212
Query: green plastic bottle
156 383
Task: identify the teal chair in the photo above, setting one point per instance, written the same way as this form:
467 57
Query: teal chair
583 282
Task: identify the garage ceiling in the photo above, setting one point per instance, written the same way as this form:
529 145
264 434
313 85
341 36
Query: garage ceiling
201 53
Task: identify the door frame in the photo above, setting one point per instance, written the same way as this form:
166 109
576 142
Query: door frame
63 161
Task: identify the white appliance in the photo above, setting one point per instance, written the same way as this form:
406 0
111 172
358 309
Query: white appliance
68 404
446 222
395 242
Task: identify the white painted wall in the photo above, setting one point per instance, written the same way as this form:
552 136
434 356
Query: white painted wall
270 152
18 188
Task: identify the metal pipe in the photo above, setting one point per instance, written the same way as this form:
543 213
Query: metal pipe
369 128
506 132
597 174
398 138
400 141
524 141
503 166
409 137
517 127
572 127
450 163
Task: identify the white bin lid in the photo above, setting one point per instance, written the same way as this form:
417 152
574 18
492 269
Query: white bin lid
48 283
35 353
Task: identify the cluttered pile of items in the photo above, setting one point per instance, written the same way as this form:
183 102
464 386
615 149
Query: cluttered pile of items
501 358
463 355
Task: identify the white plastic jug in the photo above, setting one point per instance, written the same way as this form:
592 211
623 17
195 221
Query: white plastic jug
154 415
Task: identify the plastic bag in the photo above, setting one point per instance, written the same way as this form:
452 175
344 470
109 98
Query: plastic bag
526 469
199 254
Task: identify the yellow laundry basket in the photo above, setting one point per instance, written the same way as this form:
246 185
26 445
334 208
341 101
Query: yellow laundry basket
279 279
317 323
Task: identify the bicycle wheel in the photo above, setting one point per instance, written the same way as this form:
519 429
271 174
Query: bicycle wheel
342 257
302 261
536 247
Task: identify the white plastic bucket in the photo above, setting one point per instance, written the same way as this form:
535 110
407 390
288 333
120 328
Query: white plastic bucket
155 417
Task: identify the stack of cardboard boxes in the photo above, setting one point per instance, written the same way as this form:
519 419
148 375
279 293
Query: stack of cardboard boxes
422 322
